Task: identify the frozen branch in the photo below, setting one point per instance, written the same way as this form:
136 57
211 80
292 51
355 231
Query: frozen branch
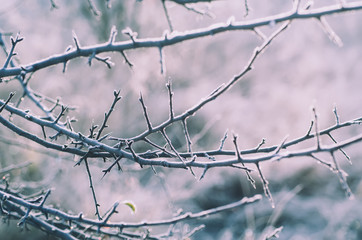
105 223
163 151
175 38
92 188
108 114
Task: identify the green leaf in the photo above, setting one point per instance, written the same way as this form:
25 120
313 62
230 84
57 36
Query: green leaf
130 205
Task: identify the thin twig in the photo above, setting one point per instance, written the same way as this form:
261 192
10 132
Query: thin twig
336 115
61 114
329 31
316 127
13 45
328 165
250 179
164 134
93 8
167 15
216 93
145 114
342 178
11 95
187 136
92 189
265 185
341 150
108 170
170 94
260 144
108 114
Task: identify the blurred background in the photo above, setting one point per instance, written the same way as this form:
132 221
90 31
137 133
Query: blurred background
302 68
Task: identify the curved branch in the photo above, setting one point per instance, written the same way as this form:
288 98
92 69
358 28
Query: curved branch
175 37
16 200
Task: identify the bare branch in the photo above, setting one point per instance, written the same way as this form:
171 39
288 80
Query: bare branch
329 31
129 63
176 37
14 200
164 134
246 5
167 15
108 114
336 115
250 179
11 95
265 185
93 8
260 144
216 93
92 189
13 45
132 35
149 125
260 34
222 141
61 114
105 60
341 150
53 5
274 233
328 165
187 136
162 61
170 94
342 177
76 41
316 127
108 170
163 149
198 11
157 148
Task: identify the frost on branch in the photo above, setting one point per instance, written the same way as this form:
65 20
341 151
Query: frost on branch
81 160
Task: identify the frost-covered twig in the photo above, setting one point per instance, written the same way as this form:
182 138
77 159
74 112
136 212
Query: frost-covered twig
176 37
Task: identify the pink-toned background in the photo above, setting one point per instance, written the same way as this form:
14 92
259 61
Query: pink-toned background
302 68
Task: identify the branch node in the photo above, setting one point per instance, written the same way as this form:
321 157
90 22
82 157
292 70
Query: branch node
13 45
61 114
132 35
250 179
260 144
11 95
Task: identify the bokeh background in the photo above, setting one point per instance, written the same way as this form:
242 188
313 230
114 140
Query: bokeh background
302 68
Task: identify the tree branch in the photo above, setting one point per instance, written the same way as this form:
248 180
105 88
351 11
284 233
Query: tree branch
177 37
